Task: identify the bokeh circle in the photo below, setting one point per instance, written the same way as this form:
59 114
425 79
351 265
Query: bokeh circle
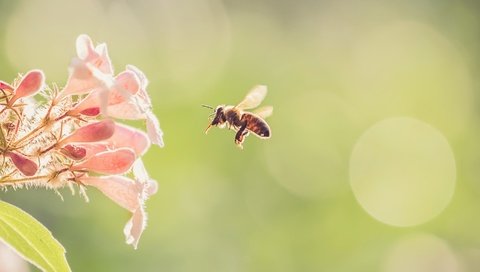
402 171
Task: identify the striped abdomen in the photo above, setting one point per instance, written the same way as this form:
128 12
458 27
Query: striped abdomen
256 125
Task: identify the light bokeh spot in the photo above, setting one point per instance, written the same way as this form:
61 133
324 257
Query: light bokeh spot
402 171
421 253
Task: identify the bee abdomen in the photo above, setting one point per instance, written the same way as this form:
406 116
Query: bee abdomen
257 125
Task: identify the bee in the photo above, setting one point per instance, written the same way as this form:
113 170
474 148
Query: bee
243 122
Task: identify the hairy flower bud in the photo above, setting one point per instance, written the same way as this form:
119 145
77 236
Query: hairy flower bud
23 164
31 83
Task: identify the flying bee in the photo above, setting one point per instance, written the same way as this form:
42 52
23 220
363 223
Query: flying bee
243 122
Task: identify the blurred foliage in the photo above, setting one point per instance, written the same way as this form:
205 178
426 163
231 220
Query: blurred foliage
333 68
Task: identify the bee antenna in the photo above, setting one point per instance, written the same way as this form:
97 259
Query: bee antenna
207 106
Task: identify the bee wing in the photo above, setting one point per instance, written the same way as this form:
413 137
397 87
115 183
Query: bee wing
253 98
264 112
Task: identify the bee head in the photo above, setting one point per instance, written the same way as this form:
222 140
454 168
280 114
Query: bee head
219 109
219 117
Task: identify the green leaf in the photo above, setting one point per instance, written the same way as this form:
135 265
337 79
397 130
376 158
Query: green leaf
33 241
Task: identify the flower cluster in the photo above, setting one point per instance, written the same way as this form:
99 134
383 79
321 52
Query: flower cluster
73 137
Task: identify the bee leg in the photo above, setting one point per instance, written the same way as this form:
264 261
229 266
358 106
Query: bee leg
240 136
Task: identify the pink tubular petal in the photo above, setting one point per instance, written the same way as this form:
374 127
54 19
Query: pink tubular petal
31 83
153 129
103 62
93 148
143 84
84 46
88 70
126 136
135 227
126 83
89 102
122 190
152 187
126 110
23 164
97 56
141 175
139 171
141 76
80 80
114 162
130 195
93 132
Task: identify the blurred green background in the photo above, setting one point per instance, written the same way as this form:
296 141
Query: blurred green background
323 193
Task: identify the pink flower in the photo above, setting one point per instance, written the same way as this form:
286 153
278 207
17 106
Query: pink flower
90 60
145 105
130 195
125 81
73 137
123 96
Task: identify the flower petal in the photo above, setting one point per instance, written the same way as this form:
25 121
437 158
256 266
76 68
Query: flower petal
125 136
88 70
117 161
143 84
130 195
135 227
154 131
103 62
93 132
97 56
93 148
126 110
139 171
126 84
80 80
84 46
141 175
122 190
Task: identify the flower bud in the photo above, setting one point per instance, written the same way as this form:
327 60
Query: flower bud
31 83
23 164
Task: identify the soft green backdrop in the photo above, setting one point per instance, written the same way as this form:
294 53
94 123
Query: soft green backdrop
333 69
